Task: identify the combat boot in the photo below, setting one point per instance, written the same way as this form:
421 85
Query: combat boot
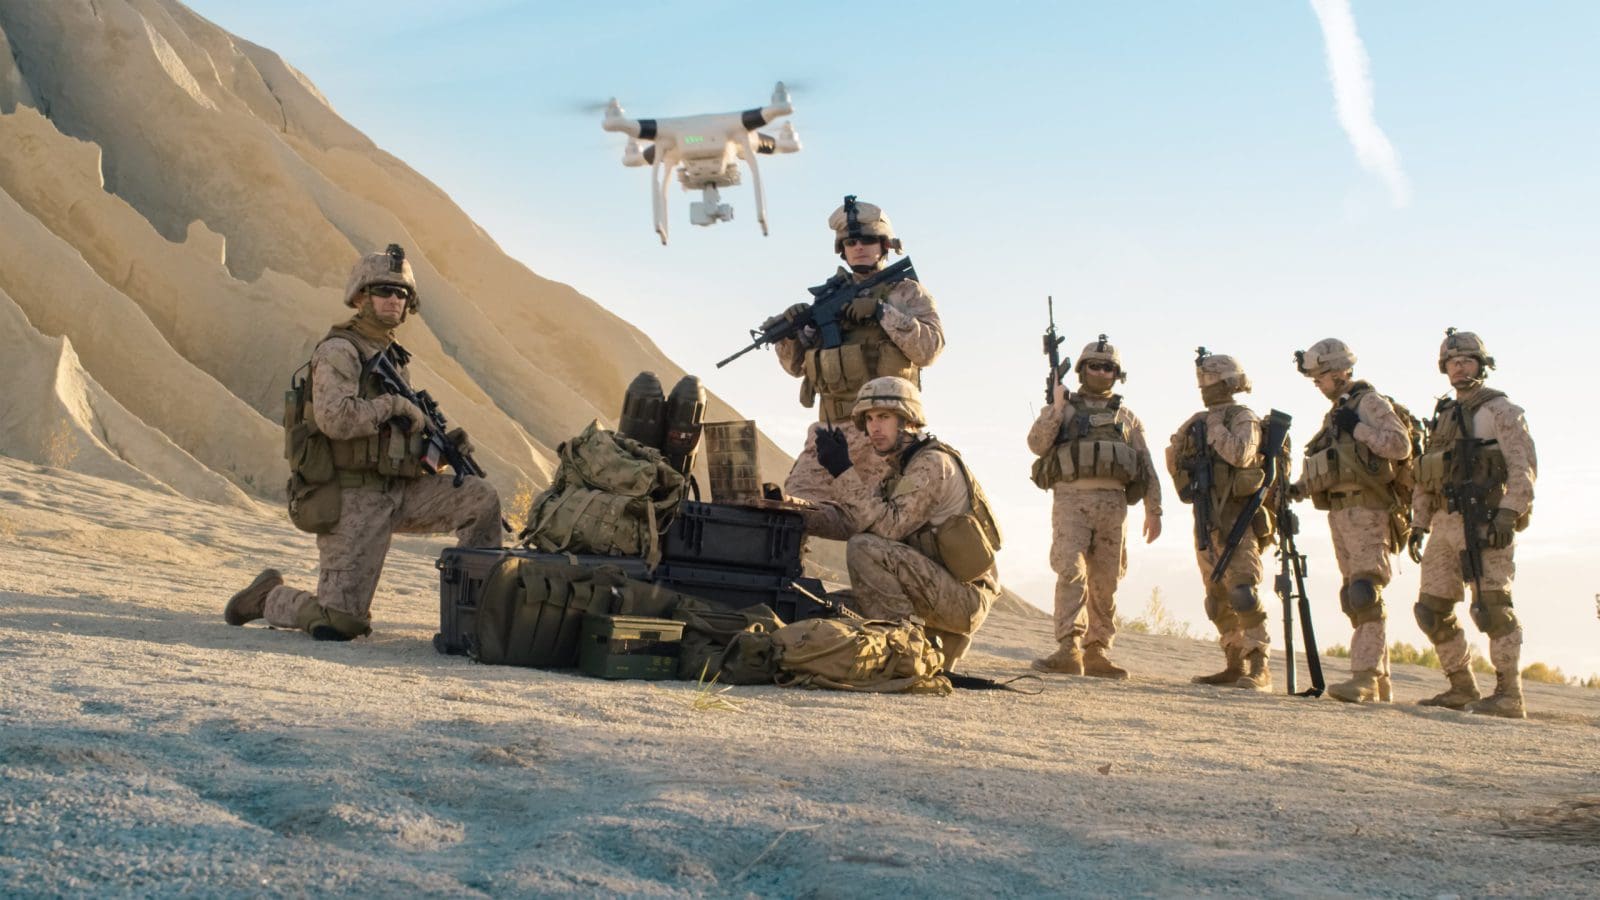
1067 660
250 604
1506 701
1463 690
1257 677
1228 675
1364 686
1097 664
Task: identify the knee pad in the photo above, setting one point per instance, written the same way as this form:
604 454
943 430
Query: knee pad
1217 608
325 624
1362 601
1247 605
1436 617
1493 615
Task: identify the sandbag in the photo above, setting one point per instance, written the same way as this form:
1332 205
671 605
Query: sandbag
859 655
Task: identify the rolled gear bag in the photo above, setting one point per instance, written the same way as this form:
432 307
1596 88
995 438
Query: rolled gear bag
733 646
611 495
859 655
531 611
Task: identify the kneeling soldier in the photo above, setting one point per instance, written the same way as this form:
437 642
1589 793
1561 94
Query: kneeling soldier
1351 468
356 473
1093 457
925 537
1216 464
1475 491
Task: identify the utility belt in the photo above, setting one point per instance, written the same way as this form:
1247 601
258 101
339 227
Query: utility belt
834 410
1350 496
365 479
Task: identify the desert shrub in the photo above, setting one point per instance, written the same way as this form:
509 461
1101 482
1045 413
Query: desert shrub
1544 674
1156 619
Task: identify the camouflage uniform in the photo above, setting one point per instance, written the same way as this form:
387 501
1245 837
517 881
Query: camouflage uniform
346 407
894 564
1233 440
1350 472
903 336
1507 468
1088 549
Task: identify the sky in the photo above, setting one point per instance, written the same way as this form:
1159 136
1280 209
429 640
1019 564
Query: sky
1247 176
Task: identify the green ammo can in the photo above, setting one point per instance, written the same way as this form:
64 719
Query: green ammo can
629 647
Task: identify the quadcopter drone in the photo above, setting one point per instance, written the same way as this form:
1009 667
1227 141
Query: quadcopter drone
706 150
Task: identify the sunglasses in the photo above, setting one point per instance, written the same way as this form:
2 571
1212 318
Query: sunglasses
862 242
1100 367
390 290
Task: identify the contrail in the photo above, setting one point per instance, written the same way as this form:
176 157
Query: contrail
1350 72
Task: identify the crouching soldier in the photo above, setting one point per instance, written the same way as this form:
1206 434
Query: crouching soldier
356 467
1216 464
1093 457
925 536
1474 493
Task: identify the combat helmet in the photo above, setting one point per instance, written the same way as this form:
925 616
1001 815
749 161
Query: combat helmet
1326 355
856 219
1212 370
893 393
1465 343
1101 351
387 267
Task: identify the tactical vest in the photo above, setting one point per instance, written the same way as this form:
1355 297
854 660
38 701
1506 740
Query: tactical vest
366 461
1335 459
1439 472
866 352
1093 443
963 544
1230 484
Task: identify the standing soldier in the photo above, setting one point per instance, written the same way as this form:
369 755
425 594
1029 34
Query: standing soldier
926 537
892 329
355 466
1216 464
1093 456
1475 492
1351 470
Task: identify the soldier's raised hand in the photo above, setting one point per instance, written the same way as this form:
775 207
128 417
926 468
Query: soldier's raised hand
833 451
1346 419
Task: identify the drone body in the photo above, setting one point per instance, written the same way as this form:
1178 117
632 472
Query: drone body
706 151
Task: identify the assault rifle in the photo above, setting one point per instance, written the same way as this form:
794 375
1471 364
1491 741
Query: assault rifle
1277 432
827 308
1465 495
1290 585
1052 351
437 449
1198 493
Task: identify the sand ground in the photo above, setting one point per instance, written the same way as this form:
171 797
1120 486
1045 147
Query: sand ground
147 748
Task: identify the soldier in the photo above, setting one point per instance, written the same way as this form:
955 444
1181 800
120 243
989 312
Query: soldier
1227 454
926 537
891 330
369 441
1092 455
1351 470
1479 466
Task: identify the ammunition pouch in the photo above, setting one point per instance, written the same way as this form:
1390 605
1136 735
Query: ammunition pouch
837 373
1347 464
1109 460
314 507
313 491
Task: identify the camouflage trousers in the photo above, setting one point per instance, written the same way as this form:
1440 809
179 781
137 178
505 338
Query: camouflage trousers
1089 556
1361 547
1242 628
1441 561
808 480
350 558
893 581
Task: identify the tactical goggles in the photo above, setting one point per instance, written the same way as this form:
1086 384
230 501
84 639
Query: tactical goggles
1100 366
390 290
861 241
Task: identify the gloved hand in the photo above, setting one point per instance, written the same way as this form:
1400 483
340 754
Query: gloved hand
1297 492
1346 419
1502 528
861 309
458 436
1414 543
401 408
788 315
833 451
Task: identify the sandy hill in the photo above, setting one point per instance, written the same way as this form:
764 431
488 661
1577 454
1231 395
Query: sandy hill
147 748
181 209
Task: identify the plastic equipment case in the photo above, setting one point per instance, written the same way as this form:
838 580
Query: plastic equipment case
629 647
462 571
716 534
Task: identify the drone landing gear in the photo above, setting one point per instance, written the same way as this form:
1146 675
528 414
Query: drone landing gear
710 209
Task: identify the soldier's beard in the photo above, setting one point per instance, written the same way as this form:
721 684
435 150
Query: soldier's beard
372 325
